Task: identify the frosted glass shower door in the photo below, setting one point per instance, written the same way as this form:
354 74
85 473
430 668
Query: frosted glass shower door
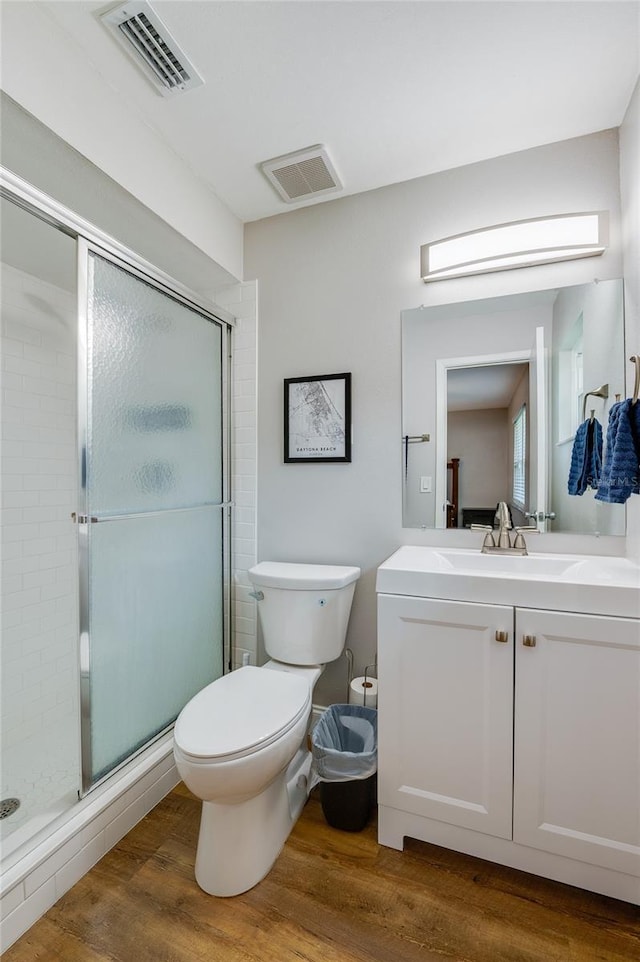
152 535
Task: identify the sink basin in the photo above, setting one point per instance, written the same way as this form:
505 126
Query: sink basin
560 582
512 566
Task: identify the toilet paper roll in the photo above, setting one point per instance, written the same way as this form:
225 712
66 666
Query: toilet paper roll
364 691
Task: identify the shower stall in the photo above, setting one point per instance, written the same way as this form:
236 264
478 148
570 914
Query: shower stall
116 510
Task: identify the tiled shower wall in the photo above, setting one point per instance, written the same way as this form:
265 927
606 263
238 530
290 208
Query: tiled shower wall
241 301
26 897
39 563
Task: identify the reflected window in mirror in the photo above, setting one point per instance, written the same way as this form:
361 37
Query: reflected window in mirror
519 487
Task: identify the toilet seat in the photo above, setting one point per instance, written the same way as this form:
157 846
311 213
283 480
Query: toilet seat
241 713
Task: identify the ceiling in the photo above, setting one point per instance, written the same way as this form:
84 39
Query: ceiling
476 388
394 90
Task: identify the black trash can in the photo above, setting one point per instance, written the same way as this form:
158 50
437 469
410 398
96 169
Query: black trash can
348 805
344 745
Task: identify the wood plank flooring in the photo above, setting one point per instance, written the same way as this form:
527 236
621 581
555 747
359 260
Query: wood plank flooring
331 897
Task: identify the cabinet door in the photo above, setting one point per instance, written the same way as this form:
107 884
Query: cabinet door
577 737
445 711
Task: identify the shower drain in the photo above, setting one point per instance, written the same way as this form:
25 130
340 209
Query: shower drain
8 806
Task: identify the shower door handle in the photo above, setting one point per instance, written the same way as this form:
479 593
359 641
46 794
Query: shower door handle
86 519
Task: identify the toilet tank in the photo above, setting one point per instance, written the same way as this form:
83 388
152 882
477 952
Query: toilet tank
303 609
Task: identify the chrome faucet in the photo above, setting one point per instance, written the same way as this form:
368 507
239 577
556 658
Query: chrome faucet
503 519
504 545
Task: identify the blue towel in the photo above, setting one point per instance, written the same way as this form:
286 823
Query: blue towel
586 458
621 471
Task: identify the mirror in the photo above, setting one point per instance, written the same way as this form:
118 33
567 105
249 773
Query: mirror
492 394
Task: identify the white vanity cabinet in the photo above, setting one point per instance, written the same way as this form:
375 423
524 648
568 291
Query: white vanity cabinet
577 737
445 711
513 734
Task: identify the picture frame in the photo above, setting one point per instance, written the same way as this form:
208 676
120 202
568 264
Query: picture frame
317 419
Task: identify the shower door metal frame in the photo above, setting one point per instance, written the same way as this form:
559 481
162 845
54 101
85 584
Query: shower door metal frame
155 280
89 238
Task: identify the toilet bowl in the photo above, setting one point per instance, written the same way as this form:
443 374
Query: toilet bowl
233 745
240 743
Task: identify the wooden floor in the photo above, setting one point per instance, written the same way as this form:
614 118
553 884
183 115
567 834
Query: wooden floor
331 897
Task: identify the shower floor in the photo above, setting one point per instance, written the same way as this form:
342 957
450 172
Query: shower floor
43 772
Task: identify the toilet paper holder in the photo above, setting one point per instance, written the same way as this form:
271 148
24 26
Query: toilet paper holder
371 674
370 671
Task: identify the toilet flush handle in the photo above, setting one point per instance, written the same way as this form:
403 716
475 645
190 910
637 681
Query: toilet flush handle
258 595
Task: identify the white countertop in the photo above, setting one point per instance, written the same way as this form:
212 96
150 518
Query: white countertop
584 583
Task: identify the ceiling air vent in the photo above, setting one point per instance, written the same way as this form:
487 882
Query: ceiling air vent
144 36
304 173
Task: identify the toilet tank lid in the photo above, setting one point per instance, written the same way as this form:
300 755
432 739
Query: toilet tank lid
302 577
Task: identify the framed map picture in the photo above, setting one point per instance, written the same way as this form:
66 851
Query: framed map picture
317 418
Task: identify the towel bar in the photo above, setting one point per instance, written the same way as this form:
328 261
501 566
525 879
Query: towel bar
635 359
603 391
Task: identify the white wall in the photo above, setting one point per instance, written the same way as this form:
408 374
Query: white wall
333 281
630 197
90 117
37 155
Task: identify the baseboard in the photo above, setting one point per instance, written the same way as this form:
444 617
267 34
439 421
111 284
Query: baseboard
316 712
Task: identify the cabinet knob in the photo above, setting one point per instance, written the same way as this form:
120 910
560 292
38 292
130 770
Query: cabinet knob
529 641
502 636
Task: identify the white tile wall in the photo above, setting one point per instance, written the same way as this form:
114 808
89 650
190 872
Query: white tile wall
241 301
39 564
40 570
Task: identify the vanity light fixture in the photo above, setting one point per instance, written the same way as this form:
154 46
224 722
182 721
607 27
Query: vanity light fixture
523 243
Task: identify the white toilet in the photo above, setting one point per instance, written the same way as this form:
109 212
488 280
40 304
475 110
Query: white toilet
240 743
